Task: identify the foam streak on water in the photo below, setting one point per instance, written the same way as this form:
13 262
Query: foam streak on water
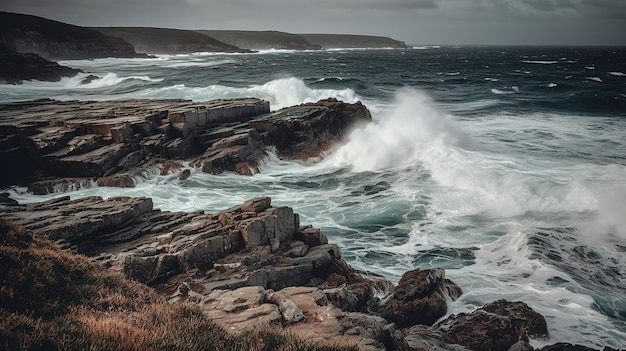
516 185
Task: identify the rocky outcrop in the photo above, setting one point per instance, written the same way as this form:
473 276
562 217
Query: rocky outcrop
261 40
333 41
112 142
249 265
254 265
496 326
58 41
420 298
17 67
168 41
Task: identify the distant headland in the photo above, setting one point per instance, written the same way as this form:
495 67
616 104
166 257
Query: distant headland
51 40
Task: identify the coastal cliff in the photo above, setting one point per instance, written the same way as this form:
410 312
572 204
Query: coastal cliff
333 41
54 40
168 41
261 40
17 67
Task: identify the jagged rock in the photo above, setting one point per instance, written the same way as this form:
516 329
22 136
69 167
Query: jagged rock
119 181
495 327
5 199
58 185
325 322
420 298
17 67
90 139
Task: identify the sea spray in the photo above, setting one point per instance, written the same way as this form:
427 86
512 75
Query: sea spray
403 136
518 196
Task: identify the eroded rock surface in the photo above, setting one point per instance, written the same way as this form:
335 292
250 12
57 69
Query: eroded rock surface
254 264
112 142
249 265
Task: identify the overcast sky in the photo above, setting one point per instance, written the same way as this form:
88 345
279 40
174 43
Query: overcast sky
419 22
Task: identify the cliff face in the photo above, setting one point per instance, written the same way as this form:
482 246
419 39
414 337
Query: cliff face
17 67
329 41
261 40
58 41
168 41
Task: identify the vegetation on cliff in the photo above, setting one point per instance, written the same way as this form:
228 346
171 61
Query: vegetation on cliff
51 299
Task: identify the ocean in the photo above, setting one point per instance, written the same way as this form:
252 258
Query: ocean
506 166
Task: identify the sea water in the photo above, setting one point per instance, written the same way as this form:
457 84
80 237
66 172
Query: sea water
506 166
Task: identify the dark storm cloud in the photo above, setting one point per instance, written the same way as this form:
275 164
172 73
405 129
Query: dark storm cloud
414 21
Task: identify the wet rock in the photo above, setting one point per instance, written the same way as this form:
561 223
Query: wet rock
420 298
569 347
98 139
17 67
118 181
495 327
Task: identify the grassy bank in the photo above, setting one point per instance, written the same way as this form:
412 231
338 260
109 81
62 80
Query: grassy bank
53 300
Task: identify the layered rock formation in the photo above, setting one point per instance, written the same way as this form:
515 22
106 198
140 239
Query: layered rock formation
255 264
247 266
261 40
17 67
58 41
168 41
250 265
111 141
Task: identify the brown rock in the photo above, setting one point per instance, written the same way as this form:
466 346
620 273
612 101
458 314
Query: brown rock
426 338
171 166
420 298
495 327
118 181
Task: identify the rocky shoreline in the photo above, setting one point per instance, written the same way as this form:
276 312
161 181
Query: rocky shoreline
250 265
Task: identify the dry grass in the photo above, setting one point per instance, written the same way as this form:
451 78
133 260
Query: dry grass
53 300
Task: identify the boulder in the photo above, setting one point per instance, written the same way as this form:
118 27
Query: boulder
420 298
495 327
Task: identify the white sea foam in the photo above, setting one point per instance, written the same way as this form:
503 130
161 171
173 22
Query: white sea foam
484 181
400 137
595 79
198 63
280 93
540 62
552 85
502 92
